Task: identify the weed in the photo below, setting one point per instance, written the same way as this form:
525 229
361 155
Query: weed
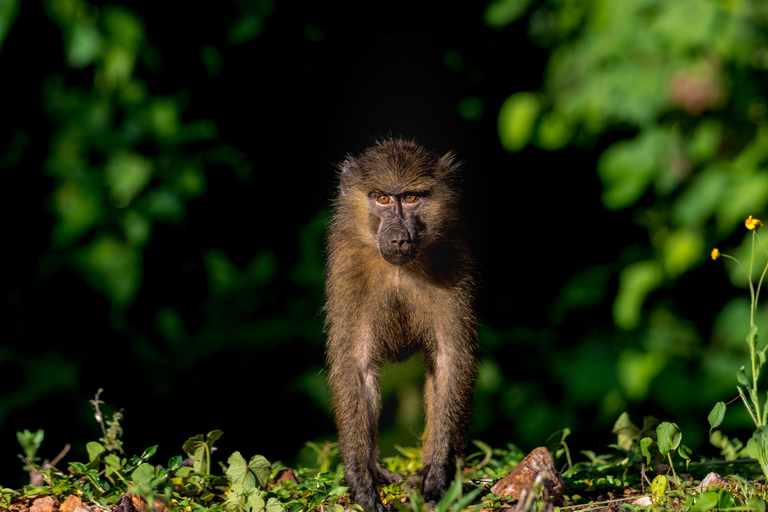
757 446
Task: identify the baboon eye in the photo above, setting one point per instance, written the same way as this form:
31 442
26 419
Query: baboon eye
382 199
410 199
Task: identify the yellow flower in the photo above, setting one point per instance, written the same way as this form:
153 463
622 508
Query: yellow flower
753 223
715 253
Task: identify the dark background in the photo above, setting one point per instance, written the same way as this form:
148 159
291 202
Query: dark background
211 317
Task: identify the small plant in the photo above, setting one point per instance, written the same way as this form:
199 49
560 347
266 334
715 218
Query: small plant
247 481
110 427
30 443
199 448
757 446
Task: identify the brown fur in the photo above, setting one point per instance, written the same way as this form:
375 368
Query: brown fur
377 310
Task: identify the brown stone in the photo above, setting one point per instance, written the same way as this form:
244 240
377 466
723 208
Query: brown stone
140 504
712 480
47 504
70 504
524 474
286 475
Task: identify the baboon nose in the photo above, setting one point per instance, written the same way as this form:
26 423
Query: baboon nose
399 239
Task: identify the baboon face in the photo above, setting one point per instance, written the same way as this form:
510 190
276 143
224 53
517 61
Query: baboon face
399 227
395 197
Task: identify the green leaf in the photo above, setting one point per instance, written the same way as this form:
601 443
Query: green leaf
467 499
704 141
78 467
716 416
273 505
668 437
30 441
143 474
249 501
757 448
637 370
340 490
644 444
681 250
755 503
500 13
94 449
706 501
114 462
685 453
627 168
658 488
635 283
175 462
743 379
199 450
149 452
254 502
127 174
247 476
626 431
484 447
726 501
517 117
555 130
699 200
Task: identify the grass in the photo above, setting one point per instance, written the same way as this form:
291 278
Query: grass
645 461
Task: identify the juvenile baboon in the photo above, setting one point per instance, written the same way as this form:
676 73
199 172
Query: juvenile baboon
399 280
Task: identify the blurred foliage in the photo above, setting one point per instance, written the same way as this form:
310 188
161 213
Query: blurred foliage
672 96
127 158
122 158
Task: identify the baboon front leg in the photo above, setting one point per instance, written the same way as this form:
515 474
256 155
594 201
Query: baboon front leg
357 403
448 394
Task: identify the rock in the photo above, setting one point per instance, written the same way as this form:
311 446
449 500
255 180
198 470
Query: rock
140 504
524 474
47 504
711 480
286 475
70 504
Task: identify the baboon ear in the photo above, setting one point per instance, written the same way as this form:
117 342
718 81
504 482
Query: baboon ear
450 162
345 175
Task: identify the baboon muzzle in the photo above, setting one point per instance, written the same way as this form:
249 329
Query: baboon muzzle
397 246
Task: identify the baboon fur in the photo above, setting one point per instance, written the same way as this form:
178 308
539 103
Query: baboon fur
377 310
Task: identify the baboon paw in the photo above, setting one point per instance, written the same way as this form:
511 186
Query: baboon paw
434 488
388 477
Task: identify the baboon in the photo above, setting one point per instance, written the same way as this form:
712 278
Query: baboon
399 279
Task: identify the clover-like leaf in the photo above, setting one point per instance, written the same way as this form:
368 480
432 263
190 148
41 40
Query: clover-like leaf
247 476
